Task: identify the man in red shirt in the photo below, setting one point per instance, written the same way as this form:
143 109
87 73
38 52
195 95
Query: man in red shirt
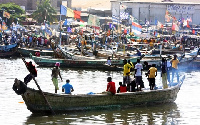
110 86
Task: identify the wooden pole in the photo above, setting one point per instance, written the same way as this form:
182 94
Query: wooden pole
38 87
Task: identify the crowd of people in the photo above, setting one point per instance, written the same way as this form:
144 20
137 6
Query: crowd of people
133 78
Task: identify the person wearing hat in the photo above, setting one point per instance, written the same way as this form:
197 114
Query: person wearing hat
67 87
175 62
54 75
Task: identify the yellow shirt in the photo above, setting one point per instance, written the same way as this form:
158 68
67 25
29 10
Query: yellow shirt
127 69
175 63
152 70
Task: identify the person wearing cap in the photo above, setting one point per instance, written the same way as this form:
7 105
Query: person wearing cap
68 88
175 62
54 75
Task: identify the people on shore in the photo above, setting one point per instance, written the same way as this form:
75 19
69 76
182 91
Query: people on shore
164 73
138 75
110 86
32 72
55 74
68 88
175 62
152 73
122 88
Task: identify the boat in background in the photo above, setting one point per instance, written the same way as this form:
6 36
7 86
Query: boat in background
81 62
44 52
8 50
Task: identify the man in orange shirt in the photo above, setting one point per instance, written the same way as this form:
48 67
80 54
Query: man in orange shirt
175 62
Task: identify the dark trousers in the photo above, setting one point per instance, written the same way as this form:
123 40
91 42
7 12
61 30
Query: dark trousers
27 79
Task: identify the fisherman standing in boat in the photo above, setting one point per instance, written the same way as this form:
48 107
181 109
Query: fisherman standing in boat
164 73
54 75
32 70
138 74
126 75
175 62
152 74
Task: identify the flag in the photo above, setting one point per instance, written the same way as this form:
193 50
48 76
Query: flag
159 24
63 10
124 15
77 14
4 27
6 14
70 12
188 26
175 27
65 23
136 28
167 16
93 20
47 29
115 19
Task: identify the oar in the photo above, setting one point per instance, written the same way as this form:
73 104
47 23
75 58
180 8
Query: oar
38 86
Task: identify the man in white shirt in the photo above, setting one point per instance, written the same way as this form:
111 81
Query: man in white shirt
138 74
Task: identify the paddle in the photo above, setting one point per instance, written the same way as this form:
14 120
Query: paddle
38 85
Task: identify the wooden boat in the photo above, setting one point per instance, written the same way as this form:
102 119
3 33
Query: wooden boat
8 50
26 51
35 102
84 62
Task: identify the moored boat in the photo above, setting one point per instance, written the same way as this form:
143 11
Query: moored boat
26 51
35 102
8 50
87 62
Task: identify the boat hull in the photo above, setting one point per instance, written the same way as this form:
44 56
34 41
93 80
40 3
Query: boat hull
92 64
66 103
8 50
26 52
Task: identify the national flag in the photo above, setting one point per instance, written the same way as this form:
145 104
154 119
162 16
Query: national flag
136 28
77 14
63 10
6 14
184 23
175 27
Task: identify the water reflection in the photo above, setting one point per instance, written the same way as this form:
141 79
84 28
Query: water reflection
151 115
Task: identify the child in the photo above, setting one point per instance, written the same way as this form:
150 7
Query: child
122 88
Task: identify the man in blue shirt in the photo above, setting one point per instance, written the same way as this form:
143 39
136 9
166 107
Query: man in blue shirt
67 87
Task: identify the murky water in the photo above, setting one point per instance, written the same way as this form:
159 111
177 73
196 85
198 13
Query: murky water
185 110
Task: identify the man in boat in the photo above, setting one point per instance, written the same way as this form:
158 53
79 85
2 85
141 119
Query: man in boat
152 74
110 86
68 88
54 75
138 74
32 70
175 62
164 73
126 75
